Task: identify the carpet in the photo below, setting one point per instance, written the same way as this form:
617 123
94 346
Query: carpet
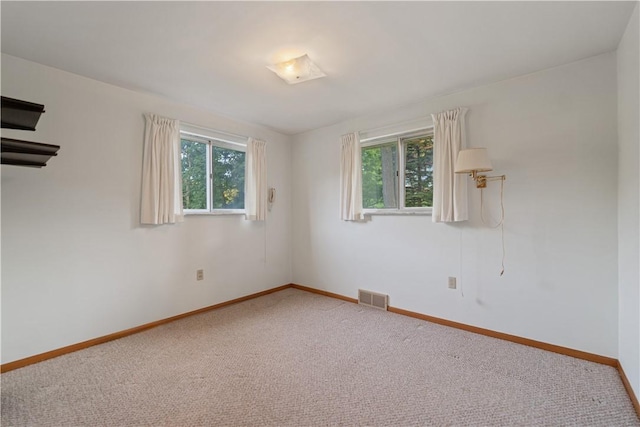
294 358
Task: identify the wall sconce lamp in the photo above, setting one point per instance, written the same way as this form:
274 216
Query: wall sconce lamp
297 70
474 160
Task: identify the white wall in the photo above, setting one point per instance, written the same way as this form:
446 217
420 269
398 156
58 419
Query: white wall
553 133
76 264
629 202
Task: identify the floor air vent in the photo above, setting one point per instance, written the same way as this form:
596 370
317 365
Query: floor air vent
373 299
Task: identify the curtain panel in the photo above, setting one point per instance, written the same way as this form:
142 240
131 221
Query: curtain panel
351 179
255 202
161 201
449 188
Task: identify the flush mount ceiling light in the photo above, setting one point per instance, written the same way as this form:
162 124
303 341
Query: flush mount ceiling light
297 70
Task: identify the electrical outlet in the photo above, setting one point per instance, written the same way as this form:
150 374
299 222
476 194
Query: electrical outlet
452 282
199 274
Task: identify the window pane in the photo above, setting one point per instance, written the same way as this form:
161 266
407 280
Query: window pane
380 176
228 178
194 174
418 178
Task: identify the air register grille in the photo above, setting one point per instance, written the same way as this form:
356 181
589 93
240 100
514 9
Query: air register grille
373 299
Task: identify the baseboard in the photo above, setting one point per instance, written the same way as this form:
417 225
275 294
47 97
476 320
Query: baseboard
325 293
513 338
627 386
100 340
494 334
488 332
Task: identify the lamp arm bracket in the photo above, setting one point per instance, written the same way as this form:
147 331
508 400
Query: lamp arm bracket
481 180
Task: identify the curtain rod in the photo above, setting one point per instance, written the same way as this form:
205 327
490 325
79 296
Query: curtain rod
420 123
214 130
394 133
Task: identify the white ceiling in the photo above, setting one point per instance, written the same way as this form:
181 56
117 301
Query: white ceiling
377 55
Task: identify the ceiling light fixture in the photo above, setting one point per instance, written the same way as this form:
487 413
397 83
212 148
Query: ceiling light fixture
297 70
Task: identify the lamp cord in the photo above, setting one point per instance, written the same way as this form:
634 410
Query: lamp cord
460 267
500 224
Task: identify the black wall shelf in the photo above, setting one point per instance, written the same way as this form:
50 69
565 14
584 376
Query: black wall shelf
23 115
17 114
26 153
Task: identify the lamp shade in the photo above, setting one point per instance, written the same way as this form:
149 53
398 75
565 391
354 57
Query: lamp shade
473 159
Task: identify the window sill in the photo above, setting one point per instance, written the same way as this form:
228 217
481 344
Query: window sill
423 211
217 212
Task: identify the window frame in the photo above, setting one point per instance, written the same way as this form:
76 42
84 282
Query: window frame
400 141
212 142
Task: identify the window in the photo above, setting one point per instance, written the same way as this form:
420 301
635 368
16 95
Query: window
397 174
212 174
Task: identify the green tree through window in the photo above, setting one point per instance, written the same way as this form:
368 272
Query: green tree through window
194 174
418 175
228 178
379 173
382 176
212 175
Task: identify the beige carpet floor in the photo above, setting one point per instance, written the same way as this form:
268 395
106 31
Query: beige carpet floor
294 358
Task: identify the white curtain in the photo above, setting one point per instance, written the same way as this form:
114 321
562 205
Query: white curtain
449 188
161 175
255 195
351 179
